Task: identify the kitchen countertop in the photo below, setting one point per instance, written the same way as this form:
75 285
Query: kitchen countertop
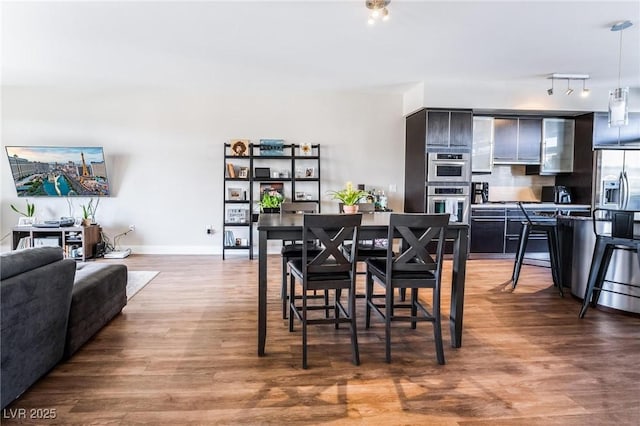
529 205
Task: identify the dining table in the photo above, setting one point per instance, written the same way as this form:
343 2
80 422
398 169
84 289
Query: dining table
275 226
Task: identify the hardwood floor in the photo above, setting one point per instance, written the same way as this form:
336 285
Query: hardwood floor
184 351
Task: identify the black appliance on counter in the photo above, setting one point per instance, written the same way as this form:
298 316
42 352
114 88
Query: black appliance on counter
479 192
558 194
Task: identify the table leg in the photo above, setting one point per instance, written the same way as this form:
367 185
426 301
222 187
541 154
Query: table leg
460 252
262 291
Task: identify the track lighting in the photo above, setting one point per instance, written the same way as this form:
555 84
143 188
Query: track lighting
569 77
378 10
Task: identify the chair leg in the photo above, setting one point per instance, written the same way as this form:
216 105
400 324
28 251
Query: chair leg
594 274
368 299
522 247
336 313
292 300
414 306
354 330
387 320
304 327
604 267
283 290
554 258
437 327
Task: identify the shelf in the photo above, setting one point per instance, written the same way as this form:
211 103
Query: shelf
287 163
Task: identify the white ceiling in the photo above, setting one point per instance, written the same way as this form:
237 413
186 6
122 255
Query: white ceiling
315 45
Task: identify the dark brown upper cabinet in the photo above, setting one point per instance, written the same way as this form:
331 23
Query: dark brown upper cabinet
449 128
517 140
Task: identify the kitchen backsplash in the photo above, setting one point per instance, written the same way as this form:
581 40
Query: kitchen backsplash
510 183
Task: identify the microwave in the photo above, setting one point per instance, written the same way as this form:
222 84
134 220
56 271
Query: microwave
449 167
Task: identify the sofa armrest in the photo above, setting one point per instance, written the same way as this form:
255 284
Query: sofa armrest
18 261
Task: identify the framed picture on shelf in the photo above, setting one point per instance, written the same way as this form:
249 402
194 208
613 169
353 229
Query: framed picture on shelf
272 147
237 215
243 173
302 196
272 187
310 172
240 147
306 150
262 172
235 194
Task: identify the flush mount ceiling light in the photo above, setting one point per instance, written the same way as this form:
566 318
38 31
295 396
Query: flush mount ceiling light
569 77
378 10
619 97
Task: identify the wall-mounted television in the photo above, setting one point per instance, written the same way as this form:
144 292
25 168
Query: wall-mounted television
58 171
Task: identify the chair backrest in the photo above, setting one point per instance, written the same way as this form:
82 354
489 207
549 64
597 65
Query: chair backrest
622 222
298 207
331 231
524 211
415 232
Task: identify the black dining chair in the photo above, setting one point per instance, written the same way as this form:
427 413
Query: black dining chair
293 249
367 248
413 267
327 270
550 229
621 237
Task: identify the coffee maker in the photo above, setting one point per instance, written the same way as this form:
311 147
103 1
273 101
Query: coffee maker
479 192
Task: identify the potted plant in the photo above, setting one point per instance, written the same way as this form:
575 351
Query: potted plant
89 212
350 197
29 212
271 201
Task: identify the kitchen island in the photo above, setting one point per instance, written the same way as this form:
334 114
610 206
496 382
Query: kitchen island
623 270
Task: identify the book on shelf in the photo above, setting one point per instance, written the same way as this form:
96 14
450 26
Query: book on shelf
23 243
229 238
231 171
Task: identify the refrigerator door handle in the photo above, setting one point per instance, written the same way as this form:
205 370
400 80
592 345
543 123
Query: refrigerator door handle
622 191
627 191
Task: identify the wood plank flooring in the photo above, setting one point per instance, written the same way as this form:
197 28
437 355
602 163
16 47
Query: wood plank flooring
184 351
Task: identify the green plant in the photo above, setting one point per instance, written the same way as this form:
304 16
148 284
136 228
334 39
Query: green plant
348 195
89 209
271 200
31 209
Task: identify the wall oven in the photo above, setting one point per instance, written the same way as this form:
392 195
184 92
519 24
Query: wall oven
449 167
449 199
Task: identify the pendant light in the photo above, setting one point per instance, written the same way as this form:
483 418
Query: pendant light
619 97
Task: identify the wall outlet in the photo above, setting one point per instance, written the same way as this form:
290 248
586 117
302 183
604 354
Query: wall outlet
210 230
393 187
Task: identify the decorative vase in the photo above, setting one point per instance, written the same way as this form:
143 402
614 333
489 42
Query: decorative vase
350 209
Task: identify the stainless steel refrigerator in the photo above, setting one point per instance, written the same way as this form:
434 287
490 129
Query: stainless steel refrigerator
617 180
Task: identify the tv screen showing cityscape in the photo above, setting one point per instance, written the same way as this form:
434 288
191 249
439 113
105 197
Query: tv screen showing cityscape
58 171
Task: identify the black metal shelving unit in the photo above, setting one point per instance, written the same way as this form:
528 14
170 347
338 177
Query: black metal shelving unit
292 160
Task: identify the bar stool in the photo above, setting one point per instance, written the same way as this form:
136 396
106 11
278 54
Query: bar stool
622 238
550 228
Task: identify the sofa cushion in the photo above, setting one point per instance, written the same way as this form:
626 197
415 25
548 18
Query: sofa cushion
15 262
35 311
99 294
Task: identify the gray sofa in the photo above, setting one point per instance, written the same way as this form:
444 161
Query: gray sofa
50 308
35 290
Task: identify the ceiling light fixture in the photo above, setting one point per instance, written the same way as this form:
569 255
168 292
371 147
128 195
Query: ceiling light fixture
585 91
569 77
619 97
378 10
569 89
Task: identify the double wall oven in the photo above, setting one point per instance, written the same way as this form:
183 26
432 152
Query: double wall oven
448 184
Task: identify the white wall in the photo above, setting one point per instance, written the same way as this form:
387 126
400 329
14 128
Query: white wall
164 151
